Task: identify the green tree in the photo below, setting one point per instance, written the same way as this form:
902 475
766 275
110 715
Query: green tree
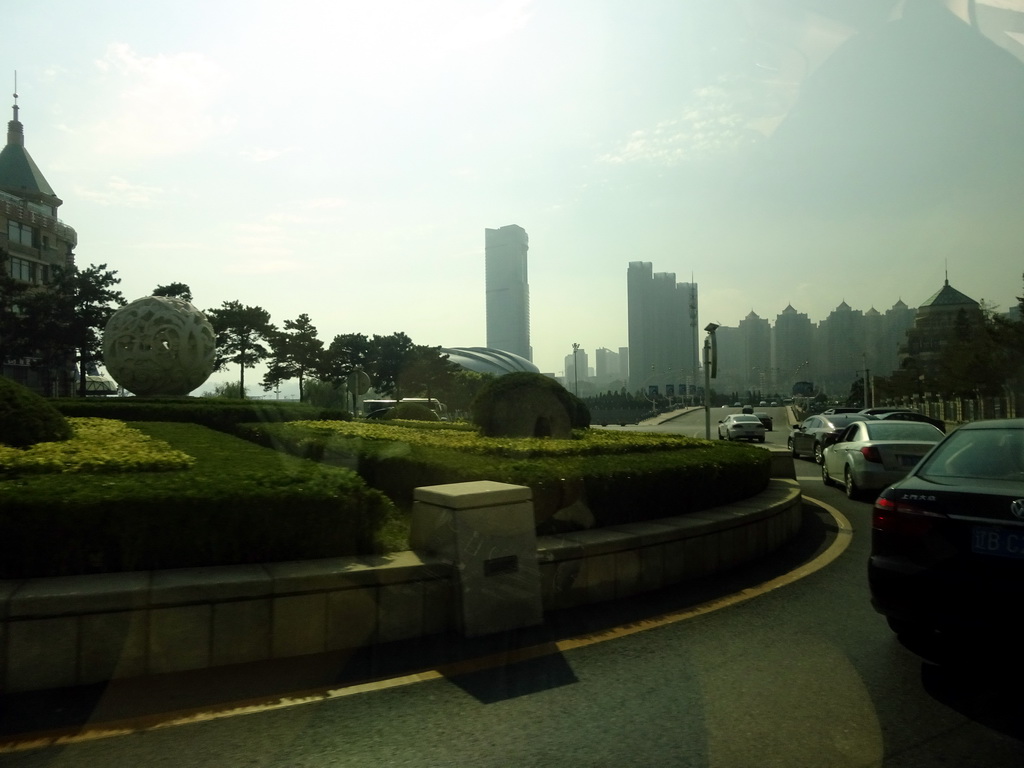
295 352
346 353
15 341
389 356
229 390
1008 336
324 394
67 317
426 372
243 333
461 388
971 360
174 291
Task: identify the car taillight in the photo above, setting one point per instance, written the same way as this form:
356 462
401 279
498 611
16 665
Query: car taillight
901 517
870 453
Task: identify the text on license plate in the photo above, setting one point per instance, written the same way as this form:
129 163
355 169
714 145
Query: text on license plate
987 540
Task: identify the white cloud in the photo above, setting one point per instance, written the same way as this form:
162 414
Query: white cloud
164 105
261 266
719 120
120 192
264 154
325 203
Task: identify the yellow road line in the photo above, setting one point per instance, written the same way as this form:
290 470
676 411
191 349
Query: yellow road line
93 732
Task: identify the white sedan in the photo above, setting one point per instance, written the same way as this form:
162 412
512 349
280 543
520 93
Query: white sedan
872 455
741 426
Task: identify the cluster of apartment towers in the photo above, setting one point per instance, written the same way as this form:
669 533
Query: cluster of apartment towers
790 356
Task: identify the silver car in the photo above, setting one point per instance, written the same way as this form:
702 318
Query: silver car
871 455
741 426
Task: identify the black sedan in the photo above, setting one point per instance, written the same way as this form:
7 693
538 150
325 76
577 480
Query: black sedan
947 541
813 434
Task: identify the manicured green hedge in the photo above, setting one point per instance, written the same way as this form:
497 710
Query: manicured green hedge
657 478
240 503
210 412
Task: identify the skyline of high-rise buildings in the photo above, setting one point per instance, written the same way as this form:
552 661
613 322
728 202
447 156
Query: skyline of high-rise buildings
508 290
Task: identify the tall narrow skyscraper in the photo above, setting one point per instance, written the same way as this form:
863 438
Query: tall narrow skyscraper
508 291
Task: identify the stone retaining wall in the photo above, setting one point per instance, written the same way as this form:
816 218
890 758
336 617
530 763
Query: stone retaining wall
78 630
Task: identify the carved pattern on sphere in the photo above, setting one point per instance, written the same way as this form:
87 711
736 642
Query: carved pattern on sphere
159 346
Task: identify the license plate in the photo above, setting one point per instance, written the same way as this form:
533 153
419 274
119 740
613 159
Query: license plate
987 540
909 461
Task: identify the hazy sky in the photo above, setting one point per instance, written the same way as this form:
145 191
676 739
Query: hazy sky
343 158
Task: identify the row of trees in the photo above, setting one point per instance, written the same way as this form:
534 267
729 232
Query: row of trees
395 366
62 323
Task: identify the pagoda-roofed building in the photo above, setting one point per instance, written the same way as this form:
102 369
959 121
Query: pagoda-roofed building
939 321
32 242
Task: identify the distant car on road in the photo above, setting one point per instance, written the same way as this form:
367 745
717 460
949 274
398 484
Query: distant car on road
840 409
810 436
867 456
741 426
947 541
765 419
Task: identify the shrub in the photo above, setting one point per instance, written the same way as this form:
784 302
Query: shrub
524 404
27 419
620 477
217 413
238 504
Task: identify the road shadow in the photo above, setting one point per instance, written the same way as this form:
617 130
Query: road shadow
977 675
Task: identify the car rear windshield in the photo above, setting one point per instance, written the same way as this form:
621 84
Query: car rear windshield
985 454
903 430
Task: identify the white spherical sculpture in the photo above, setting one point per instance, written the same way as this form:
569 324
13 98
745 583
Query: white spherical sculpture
159 346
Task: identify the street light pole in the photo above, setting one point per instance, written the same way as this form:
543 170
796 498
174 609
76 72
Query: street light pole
710 361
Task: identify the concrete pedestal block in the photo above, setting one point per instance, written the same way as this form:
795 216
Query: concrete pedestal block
486 530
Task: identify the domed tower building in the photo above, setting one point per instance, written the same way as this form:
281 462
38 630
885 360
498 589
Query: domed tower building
32 242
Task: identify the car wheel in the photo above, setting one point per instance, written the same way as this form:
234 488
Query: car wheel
852 491
818 457
792 448
760 439
826 478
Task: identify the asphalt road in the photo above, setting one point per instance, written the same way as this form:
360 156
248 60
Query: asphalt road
757 669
